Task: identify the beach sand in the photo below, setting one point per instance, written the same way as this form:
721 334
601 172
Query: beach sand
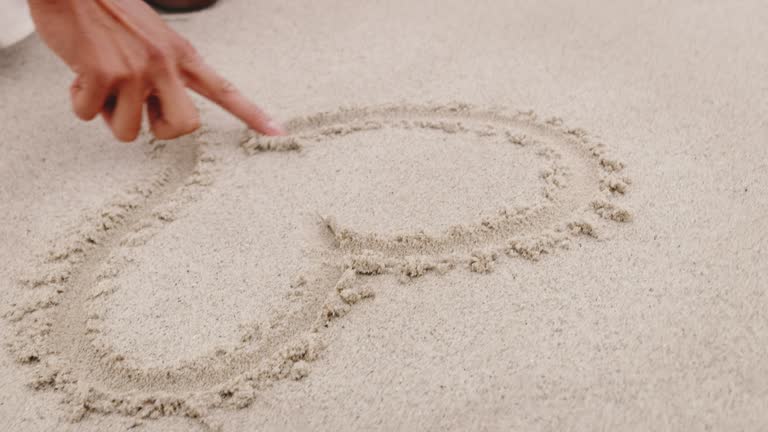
507 216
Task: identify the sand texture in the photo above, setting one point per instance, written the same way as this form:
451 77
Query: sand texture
521 216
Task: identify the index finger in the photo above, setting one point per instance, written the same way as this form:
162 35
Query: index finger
205 81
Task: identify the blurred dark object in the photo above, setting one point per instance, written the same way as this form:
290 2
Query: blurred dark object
181 5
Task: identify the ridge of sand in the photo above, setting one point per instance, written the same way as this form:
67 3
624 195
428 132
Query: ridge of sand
60 329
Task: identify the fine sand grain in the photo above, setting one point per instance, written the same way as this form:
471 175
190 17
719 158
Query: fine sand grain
430 247
244 279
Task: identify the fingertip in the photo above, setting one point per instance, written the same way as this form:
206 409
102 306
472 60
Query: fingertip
126 136
275 129
269 128
84 110
85 115
190 126
163 130
183 126
88 98
122 133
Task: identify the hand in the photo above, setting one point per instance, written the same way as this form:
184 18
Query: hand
124 56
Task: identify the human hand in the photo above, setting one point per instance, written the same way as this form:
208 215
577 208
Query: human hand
124 56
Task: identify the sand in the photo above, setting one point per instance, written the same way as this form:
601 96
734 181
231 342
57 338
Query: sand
524 216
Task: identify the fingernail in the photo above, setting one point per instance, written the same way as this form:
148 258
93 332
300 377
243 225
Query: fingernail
275 128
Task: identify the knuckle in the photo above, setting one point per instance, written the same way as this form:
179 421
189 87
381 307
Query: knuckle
99 75
123 75
155 53
132 71
185 55
138 71
158 58
185 50
226 88
108 74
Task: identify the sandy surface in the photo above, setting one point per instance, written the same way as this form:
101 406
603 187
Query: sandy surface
518 216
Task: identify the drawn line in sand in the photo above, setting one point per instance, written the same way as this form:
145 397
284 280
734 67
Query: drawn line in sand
57 332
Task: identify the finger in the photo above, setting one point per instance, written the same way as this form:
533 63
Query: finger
204 80
170 109
125 119
88 96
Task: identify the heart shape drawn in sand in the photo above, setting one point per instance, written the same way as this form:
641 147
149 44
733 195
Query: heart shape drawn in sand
306 222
